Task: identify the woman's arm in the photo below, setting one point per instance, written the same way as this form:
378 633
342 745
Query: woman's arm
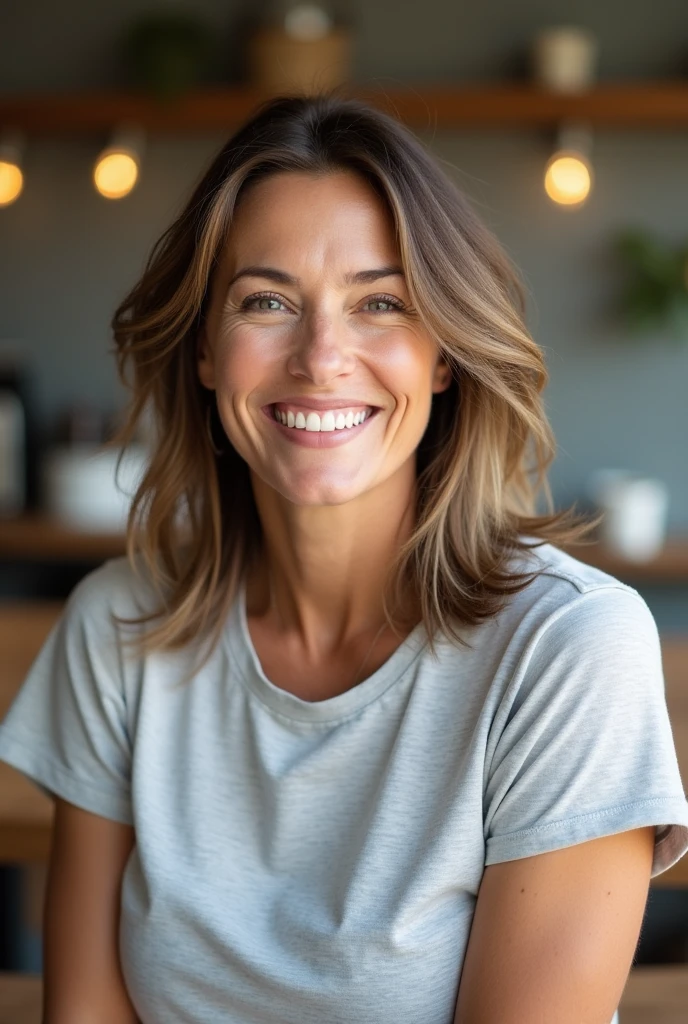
553 936
82 975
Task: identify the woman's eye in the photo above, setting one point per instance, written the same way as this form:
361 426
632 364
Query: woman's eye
387 302
264 303
271 303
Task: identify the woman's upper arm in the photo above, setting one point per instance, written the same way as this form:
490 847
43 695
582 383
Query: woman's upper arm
81 970
553 935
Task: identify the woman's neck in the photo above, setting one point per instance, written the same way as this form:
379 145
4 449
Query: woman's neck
322 572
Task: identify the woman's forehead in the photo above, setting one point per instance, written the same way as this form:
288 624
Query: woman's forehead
311 219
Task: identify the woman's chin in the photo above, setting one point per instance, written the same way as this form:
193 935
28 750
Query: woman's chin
320 492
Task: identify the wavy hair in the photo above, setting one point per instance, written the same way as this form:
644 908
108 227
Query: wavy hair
482 462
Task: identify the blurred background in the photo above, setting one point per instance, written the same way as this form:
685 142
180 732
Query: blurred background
566 124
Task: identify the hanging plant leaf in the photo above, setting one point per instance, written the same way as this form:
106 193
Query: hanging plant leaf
678 315
656 295
167 52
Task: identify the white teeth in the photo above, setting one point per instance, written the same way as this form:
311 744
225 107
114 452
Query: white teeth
314 422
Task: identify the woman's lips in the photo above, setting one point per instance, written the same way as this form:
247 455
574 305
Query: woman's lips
327 428
332 419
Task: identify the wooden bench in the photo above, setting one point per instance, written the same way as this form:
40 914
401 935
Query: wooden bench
653 995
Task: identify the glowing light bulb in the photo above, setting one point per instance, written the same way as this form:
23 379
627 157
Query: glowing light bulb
11 182
116 170
11 176
115 173
568 178
568 174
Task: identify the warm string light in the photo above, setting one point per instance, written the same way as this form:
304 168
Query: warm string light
116 170
11 174
568 174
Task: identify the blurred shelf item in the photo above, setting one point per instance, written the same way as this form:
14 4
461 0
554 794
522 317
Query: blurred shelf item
632 104
669 566
36 536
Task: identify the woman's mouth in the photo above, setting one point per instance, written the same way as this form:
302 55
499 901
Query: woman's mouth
326 428
327 420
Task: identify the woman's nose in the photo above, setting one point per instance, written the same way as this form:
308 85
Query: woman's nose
322 351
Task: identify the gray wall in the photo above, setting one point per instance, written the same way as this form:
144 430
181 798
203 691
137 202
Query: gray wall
67 255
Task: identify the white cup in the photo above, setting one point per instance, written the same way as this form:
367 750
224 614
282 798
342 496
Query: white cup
564 59
80 489
635 512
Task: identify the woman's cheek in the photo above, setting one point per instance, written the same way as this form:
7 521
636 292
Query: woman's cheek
244 361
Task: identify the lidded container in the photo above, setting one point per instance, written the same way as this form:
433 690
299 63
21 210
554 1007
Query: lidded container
301 49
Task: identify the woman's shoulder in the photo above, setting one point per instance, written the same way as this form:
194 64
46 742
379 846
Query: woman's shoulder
560 571
580 595
116 586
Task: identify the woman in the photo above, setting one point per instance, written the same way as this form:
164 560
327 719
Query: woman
381 710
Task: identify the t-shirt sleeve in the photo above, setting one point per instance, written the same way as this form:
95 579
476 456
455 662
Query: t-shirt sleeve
67 727
584 746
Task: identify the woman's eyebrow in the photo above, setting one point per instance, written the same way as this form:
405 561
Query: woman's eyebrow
281 277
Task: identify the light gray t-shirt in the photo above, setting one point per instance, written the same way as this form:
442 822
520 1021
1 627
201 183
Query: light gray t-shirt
305 862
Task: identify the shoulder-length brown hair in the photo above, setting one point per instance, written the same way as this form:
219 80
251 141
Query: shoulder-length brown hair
482 461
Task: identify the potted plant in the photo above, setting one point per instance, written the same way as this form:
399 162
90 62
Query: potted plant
656 295
167 51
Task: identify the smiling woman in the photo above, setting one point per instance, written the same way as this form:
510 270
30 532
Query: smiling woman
321 345
389 755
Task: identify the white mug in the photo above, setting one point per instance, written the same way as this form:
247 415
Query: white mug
80 488
635 512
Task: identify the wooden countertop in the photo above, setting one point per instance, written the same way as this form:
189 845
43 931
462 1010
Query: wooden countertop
37 537
652 995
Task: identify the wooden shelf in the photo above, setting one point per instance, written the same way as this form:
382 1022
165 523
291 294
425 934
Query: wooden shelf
669 566
35 537
658 104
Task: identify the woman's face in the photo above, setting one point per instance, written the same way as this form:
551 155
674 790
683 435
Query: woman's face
310 321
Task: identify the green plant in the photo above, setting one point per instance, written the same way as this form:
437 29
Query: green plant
167 51
656 295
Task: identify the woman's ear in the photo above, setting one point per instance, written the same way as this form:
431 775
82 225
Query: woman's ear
442 376
204 360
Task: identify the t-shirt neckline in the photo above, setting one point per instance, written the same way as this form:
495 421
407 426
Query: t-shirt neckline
343 705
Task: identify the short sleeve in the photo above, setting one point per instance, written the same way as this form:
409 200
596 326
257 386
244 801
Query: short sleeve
67 727
584 746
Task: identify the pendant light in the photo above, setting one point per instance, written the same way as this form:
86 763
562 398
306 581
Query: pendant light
117 167
568 174
11 174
